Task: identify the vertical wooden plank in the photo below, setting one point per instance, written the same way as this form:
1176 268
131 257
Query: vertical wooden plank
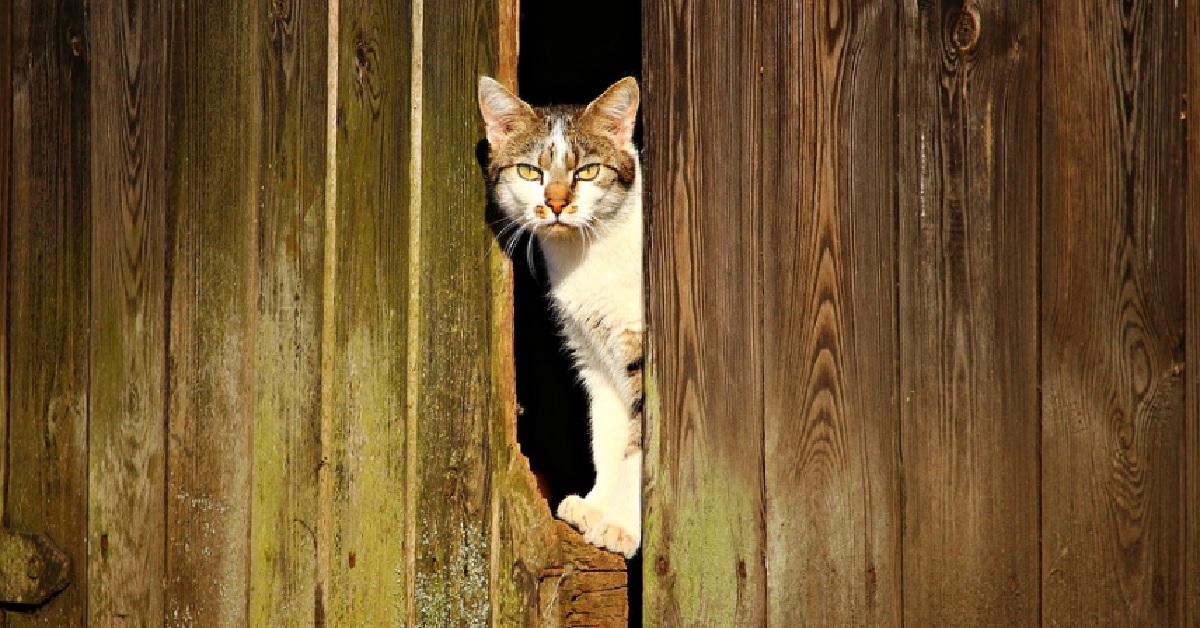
452 246
126 462
520 520
968 286
212 303
367 321
291 222
6 153
1113 314
48 293
704 536
829 306
1191 443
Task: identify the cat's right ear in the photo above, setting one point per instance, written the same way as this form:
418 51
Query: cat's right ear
502 112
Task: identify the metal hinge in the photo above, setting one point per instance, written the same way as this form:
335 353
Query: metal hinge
32 568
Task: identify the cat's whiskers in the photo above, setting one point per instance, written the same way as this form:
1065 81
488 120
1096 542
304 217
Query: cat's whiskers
529 252
514 239
512 225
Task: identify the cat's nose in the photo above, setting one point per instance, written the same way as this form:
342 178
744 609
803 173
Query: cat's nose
556 205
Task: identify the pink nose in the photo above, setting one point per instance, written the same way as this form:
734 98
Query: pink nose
556 205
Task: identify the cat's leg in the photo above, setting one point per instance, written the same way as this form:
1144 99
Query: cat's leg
606 517
622 526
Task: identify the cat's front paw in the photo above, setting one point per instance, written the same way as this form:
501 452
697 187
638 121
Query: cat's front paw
614 537
581 515
599 530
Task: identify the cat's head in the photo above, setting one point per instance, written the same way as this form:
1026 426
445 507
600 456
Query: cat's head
558 170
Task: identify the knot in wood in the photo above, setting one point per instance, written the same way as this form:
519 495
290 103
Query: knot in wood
34 568
75 41
964 30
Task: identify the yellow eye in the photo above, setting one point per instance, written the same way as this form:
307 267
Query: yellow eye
528 172
587 173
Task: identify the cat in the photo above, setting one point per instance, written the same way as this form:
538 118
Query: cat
571 176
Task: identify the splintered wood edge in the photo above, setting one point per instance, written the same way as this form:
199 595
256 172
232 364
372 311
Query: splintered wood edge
587 586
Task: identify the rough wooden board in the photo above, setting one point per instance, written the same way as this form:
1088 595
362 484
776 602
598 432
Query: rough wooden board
48 291
6 153
127 461
212 304
704 526
520 529
291 219
453 409
830 350
1191 442
968 219
365 438
1113 314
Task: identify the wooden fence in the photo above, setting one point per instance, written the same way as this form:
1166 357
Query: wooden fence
257 366
924 289
925 310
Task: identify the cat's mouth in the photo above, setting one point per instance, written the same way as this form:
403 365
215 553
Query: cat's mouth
558 229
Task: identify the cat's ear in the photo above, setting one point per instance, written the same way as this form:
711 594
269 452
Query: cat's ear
502 112
614 113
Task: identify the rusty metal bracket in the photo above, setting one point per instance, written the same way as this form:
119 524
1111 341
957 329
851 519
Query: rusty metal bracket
32 568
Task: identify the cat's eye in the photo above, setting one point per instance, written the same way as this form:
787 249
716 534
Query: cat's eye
528 172
587 173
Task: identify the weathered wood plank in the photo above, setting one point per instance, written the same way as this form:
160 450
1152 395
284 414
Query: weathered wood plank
127 459
520 521
365 531
287 425
968 220
704 528
830 375
48 291
1113 312
6 154
1191 443
212 303
453 247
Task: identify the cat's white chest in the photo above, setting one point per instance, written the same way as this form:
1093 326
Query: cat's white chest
605 282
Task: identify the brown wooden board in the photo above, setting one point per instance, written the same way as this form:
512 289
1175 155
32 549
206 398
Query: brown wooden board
291 221
451 273
6 153
212 291
126 444
829 305
48 271
705 535
366 485
1191 443
967 185
1113 314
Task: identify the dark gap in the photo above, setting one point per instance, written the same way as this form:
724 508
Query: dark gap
569 54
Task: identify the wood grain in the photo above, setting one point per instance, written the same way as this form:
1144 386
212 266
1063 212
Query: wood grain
368 445
287 427
453 408
829 305
48 291
1113 314
212 293
6 154
126 440
1191 441
968 289
704 537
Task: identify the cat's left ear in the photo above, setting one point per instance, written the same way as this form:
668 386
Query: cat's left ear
614 113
